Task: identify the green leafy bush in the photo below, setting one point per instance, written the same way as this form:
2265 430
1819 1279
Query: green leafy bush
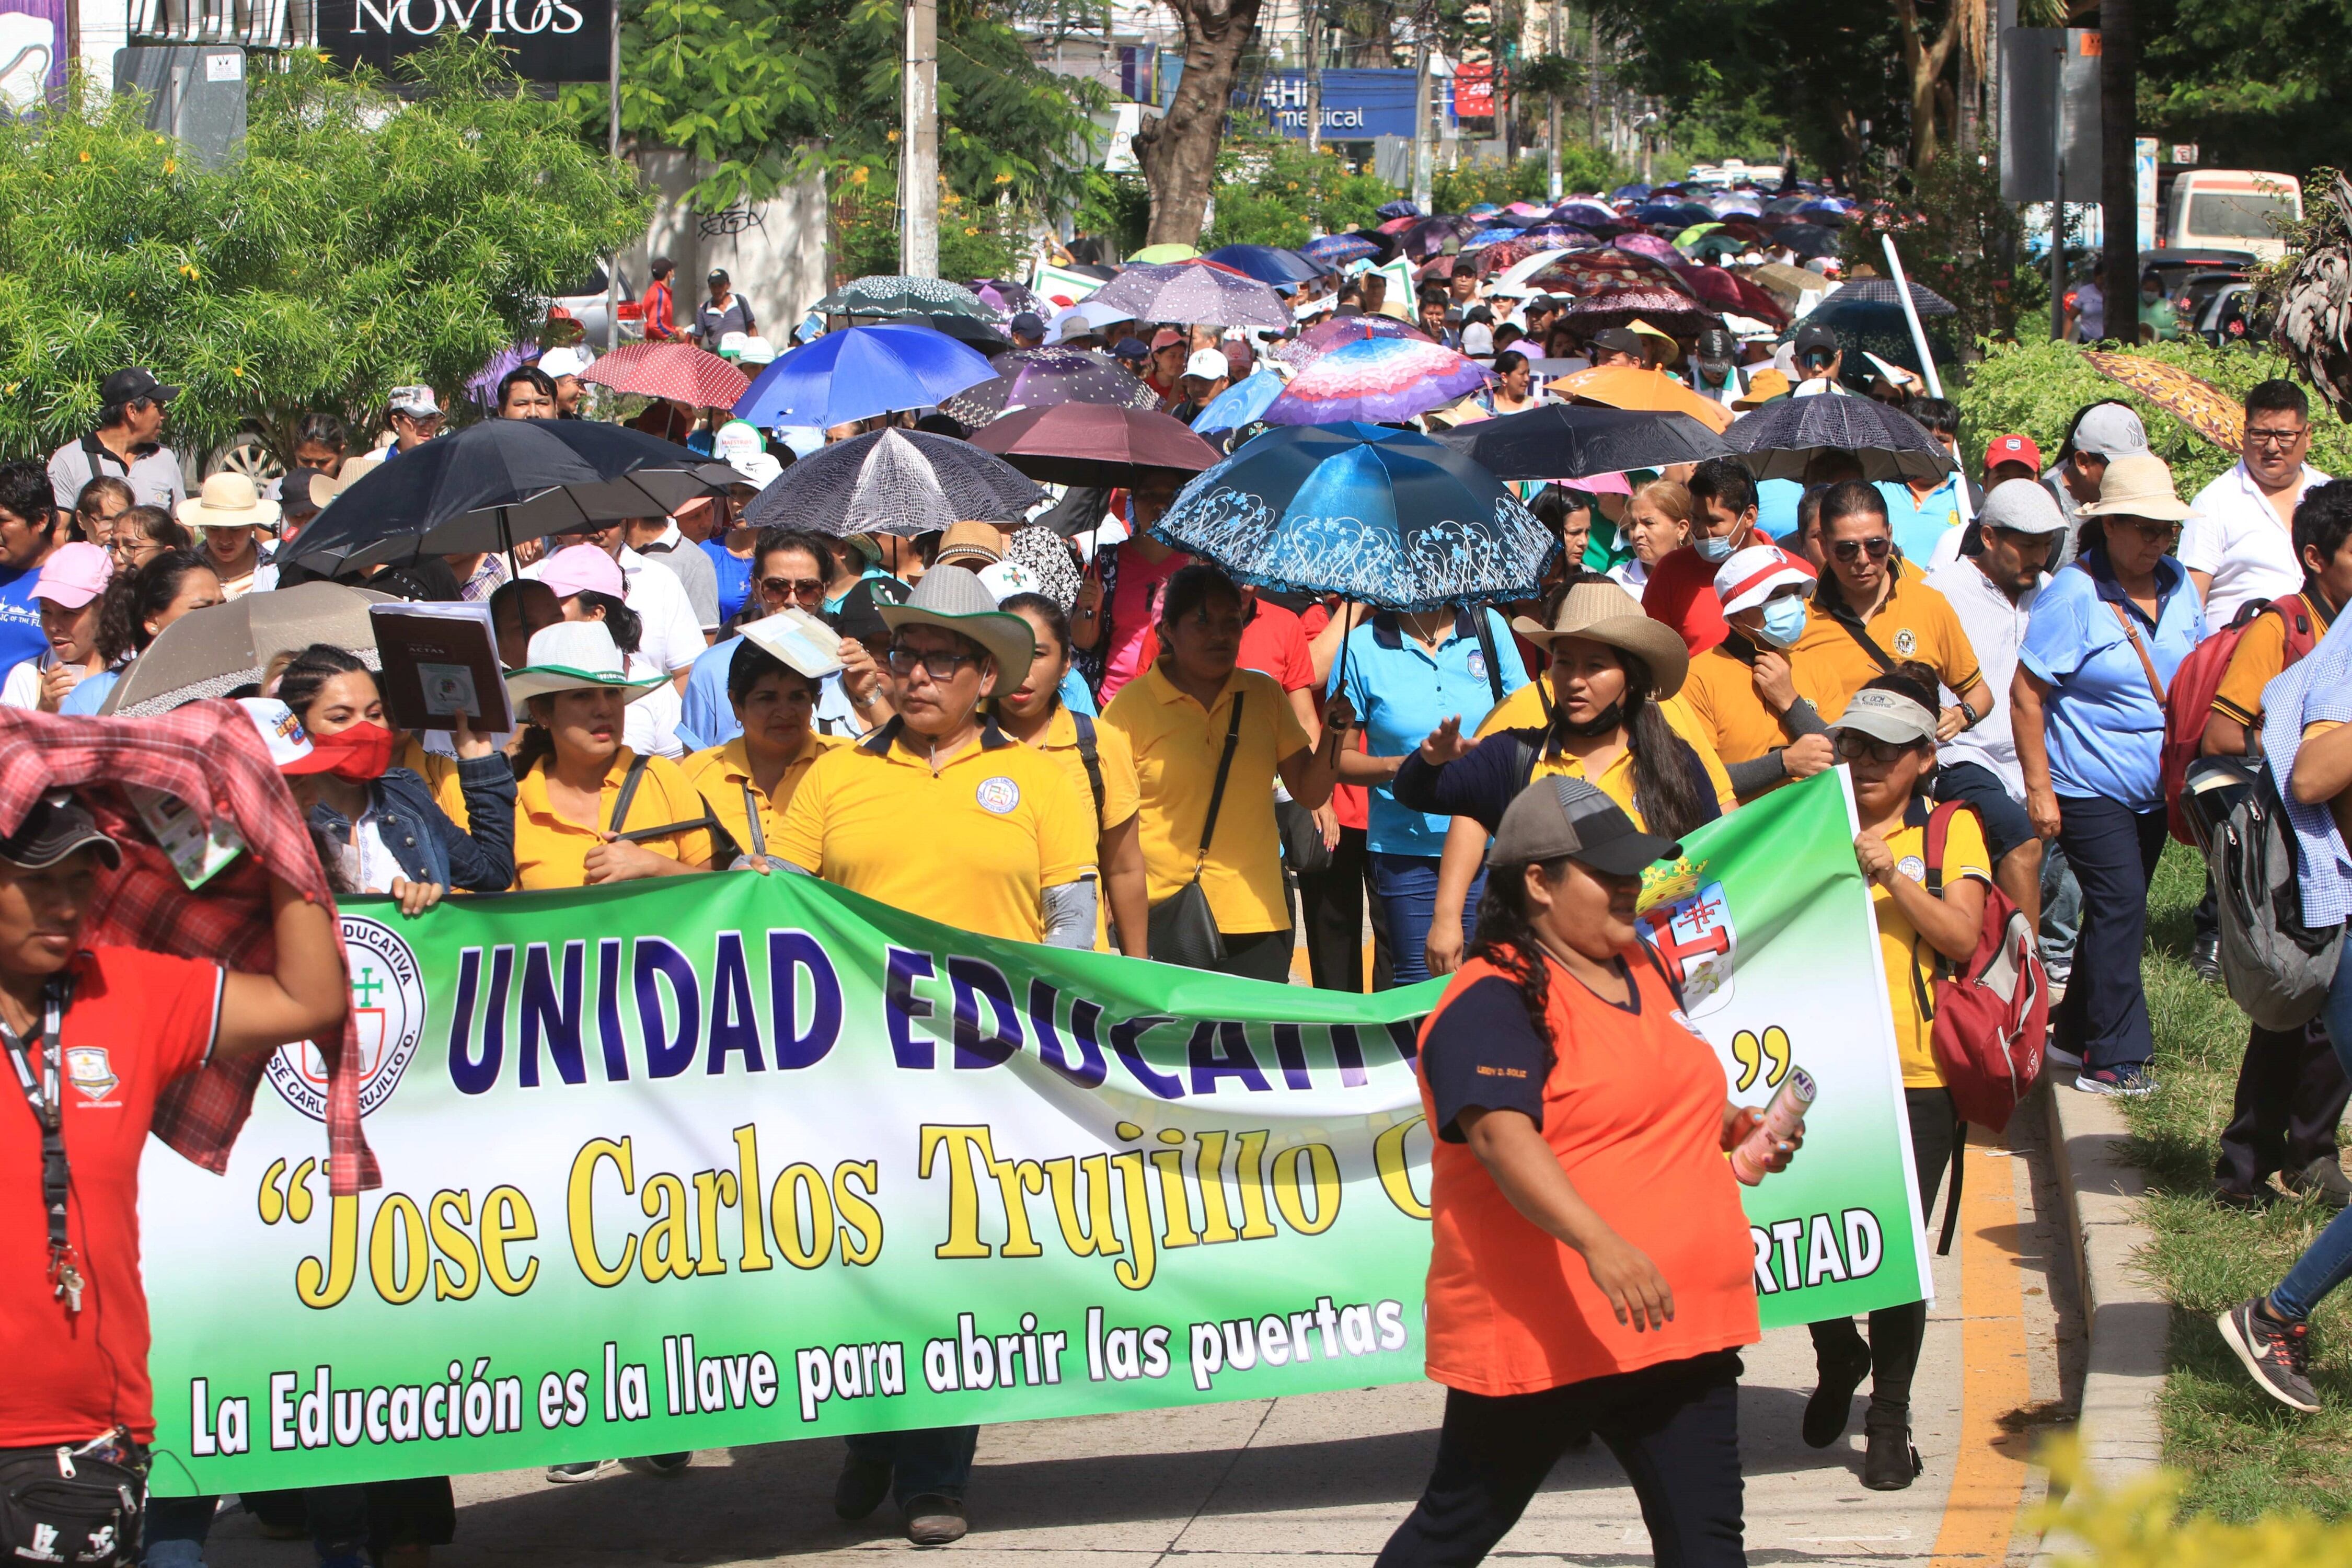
1272 191
2035 388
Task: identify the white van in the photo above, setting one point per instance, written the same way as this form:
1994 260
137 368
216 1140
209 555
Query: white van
2231 209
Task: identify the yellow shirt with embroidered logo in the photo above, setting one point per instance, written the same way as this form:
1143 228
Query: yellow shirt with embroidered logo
1525 710
551 850
974 845
723 775
1915 624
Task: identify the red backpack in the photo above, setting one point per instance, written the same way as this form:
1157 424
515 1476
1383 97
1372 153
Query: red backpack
2190 702
1991 1014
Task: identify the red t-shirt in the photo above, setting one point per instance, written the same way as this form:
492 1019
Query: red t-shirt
138 1020
1681 593
1633 1107
1350 803
1275 642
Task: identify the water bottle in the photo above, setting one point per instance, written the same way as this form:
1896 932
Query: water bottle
1782 1117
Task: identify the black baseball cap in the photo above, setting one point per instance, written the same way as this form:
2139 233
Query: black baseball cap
1560 816
1715 343
717 274
1812 336
133 385
860 616
1620 341
56 825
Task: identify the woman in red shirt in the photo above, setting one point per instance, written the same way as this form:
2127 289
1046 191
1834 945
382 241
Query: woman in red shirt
1591 1267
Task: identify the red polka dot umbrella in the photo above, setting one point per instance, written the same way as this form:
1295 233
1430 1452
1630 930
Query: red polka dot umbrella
679 371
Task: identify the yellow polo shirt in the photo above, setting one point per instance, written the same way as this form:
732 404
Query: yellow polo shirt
1525 710
973 846
1904 951
1916 622
1721 690
440 775
1177 743
723 775
551 850
1113 755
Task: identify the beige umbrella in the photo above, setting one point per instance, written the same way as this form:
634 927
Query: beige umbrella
212 652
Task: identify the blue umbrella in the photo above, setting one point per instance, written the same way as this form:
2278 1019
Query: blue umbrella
1387 517
1398 208
1624 192
1267 264
1243 402
1337 249
860 372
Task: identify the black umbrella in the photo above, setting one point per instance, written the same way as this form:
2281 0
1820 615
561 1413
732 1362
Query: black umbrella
1561 442
1883 292
1780 438
493 483
906 482
1807 240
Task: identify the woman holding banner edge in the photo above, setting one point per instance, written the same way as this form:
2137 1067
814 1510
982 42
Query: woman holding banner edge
1591 1269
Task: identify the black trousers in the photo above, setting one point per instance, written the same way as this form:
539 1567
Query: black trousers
1897 1332
1333 902
1256 955
2291 1095
2113 850
1674 1427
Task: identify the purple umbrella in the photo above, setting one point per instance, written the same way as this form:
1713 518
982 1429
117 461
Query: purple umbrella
1338 332
1039 378
1179 291
1338 249
1377 381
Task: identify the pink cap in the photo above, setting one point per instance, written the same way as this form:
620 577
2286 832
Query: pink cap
74 574
583 569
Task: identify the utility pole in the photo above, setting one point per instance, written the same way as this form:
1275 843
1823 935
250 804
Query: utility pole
2119 164
1551 108
1592 82
918 141
612 150
1424 177
1314 75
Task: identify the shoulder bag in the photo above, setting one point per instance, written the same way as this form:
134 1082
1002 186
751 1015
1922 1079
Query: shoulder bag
1183 928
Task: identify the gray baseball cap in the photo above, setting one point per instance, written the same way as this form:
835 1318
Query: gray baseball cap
1887 716
2022 506
2110 430
1560 816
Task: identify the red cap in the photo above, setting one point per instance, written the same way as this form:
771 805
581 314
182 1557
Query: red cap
2013 450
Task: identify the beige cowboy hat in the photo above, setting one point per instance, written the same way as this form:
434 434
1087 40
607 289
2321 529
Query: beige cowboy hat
2138 485
228 500
1602 612
356 468
961 602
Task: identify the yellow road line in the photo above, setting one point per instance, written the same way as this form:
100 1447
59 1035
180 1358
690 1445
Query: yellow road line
1988 1475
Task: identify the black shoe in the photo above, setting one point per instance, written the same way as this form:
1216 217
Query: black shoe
2276 1353
864 1484
934 1521
2246 1200
2322 1181
1891 1463
1833 1401
658 1464
2206 958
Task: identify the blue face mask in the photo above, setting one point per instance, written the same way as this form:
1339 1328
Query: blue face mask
1784 620
1712 549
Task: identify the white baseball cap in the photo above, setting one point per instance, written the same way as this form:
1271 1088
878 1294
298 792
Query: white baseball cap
1208 364
565 362
1754 575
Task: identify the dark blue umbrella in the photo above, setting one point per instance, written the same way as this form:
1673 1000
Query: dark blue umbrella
1398 208
1385 517
1267 264
1338 249
859 371
1629 193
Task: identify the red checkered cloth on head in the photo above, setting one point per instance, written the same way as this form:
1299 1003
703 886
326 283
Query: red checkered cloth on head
207 754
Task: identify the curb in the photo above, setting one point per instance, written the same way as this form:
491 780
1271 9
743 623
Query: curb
2127 1321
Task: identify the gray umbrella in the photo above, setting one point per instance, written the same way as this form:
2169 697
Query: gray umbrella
889 296
212 652
1779 439
1191 292
904 482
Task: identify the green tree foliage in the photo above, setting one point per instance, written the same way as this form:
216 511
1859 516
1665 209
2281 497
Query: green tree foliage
359 242
1272 191
1581 168
2257 84
1959 239
2036 388
764 89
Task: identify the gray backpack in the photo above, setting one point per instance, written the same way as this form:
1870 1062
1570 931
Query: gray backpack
2277 968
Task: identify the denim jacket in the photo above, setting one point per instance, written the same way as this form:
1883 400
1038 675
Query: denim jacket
428 846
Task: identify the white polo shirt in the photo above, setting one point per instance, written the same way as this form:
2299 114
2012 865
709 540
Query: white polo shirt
1996 630
673 632
2239 541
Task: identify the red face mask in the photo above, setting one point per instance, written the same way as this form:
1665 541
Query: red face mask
360 754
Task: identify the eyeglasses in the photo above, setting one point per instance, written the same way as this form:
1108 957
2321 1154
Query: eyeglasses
2151 530
1850 549
1854 745
798 588
940 664
2275 437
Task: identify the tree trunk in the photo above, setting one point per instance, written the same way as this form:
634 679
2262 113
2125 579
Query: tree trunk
1178 150
1922 64
2118 167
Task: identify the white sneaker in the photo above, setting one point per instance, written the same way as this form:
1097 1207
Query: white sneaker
2058 1057
582 1470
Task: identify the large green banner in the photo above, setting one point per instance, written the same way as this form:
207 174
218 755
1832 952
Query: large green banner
732 1159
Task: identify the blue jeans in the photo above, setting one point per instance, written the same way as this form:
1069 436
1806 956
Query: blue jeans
2062 914
934 1461
2112 851
1406 886
2326 1262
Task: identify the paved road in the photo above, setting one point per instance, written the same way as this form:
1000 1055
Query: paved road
1327 1476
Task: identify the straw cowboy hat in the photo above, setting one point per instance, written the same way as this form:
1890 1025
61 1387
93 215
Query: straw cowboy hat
1600 611
228 500
574 656
2139 484
957 600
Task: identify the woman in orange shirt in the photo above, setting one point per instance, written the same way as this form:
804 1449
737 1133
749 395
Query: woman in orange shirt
1591 1271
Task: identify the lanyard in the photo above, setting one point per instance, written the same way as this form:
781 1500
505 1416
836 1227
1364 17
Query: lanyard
48 1109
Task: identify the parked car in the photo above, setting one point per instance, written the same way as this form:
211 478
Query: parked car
586 304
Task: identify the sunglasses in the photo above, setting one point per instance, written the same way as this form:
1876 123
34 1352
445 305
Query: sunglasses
1850 549
2152 530
1854 745
940 664
797 587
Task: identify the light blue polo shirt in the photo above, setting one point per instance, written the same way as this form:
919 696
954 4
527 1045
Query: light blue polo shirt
1402 693
1918 524
2102 724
